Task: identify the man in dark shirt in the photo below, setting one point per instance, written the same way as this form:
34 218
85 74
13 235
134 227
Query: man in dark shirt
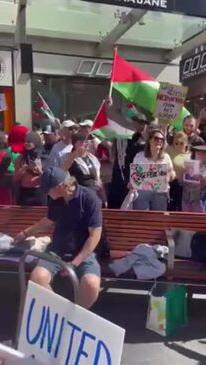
75 213
50 136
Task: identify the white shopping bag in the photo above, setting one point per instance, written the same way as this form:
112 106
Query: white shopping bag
156 317
129 200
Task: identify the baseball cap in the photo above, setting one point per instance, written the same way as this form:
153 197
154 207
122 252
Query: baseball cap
16 138
52 177
86 123
68 124
48 129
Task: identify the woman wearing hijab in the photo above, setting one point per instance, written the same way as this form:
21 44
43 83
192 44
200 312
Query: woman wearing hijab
28 171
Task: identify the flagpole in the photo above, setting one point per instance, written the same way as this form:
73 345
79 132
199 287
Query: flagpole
112 73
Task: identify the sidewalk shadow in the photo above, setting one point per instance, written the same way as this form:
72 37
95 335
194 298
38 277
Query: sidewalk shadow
190 354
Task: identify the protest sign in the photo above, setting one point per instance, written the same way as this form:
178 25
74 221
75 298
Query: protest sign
192 171
9 356
59 332
170 100
149 176
2 102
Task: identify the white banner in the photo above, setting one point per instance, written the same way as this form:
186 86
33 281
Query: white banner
58 332
170 100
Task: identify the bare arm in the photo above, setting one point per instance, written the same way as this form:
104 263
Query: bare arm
89 246
43 225
172 175
67 163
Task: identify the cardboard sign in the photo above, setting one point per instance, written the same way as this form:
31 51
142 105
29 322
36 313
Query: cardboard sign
149 176
192 171
170 100
3 105
58 332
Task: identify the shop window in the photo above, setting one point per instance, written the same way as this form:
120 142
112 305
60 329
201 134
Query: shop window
68 97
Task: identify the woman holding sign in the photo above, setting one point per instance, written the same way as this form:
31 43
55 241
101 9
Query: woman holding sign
150 174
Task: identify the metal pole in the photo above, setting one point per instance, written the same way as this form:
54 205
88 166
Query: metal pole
23 282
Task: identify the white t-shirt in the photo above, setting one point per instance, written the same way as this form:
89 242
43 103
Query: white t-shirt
140 158
58 154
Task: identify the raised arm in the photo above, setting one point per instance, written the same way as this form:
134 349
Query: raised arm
43 225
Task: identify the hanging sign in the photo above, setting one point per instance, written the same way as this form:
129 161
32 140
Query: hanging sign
187 7
58 332
193 66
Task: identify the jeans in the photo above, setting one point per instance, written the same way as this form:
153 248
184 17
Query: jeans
151 200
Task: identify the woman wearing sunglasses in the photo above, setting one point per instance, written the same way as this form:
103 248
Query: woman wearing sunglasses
154 153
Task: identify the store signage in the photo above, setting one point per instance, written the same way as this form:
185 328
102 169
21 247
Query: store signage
187 7
193 66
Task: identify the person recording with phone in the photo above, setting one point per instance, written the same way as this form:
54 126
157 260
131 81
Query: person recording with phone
28 171
84 166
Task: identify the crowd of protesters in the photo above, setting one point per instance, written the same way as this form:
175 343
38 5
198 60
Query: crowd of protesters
104 166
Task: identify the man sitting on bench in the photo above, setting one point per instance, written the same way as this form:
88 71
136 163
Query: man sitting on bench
75 213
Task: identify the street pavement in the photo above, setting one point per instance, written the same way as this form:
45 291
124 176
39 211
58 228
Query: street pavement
128 308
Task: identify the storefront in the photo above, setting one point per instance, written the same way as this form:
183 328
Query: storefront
7 113
193 75
73 87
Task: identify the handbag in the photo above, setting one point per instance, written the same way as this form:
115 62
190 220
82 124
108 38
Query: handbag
167 309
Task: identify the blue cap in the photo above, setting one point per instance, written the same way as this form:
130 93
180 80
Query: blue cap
52 177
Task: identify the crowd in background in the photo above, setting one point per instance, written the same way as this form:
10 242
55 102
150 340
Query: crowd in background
104 166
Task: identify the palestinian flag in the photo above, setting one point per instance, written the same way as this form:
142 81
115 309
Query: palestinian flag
41 110
138 87
134 84
105 125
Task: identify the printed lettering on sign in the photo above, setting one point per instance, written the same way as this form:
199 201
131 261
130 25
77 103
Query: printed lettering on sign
58 332
189 7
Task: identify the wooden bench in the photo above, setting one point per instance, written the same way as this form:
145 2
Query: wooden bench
126 229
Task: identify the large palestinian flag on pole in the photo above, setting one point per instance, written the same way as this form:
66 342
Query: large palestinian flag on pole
134 84
138 86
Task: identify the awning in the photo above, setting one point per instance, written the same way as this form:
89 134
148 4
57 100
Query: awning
104 25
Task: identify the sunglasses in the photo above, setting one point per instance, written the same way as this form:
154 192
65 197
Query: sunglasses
158 139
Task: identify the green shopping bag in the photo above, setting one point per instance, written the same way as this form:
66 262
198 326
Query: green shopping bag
167 309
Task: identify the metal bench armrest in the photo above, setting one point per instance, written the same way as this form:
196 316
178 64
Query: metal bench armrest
23 282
